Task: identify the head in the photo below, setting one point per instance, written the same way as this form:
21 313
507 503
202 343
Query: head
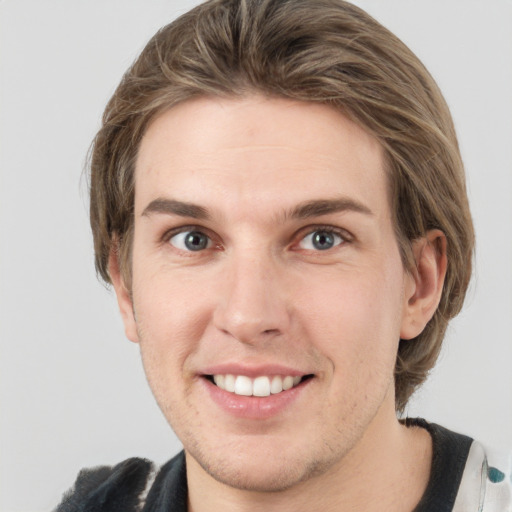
316 51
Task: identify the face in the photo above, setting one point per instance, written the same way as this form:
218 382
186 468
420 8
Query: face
268 290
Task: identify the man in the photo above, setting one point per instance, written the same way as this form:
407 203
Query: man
278 199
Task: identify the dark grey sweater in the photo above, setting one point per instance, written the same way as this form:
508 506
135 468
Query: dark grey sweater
136 486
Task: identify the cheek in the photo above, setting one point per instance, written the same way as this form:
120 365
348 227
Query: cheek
169 327
171 319
166 303
355 318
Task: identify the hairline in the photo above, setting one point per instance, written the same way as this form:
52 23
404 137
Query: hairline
240 93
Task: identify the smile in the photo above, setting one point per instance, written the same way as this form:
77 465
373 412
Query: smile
260 386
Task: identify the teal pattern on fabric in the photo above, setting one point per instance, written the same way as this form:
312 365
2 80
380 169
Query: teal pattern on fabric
495 475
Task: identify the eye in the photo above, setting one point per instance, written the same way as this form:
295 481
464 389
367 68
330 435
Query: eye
321 240
191 241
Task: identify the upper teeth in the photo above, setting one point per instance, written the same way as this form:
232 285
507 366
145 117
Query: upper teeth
260 386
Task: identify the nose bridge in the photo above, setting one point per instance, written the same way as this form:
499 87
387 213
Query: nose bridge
251 305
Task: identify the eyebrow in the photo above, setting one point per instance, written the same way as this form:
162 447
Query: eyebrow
319 207
305 210
174 207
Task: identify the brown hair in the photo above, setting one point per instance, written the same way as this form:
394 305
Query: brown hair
326 51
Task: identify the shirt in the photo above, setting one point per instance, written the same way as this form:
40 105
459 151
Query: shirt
465 477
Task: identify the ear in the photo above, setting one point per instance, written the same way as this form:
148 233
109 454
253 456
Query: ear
424 283
124 299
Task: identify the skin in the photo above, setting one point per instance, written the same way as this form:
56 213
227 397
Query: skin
261 293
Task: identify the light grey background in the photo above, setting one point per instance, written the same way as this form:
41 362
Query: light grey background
73 393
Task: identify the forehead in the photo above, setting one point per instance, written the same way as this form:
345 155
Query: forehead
257 149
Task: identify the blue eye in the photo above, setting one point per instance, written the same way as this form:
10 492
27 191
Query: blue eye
190 241
320 240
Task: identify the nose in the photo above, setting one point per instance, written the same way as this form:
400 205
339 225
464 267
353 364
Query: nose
252 305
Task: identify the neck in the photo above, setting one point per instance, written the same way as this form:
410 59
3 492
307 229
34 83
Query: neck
388 469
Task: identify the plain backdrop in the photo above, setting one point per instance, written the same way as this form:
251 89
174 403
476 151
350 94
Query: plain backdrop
73 392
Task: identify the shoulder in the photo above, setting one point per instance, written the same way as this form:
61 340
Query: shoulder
123 487
465 475
486 483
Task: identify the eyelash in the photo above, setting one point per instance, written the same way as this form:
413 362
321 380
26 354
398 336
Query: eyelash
345 236
168 235
309 230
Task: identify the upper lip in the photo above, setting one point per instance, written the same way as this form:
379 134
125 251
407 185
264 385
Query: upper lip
252 370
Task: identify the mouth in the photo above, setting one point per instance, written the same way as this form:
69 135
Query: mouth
261 386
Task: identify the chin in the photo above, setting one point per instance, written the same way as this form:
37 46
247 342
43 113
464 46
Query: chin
270 478
261 470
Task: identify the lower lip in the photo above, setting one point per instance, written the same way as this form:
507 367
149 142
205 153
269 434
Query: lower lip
255 407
